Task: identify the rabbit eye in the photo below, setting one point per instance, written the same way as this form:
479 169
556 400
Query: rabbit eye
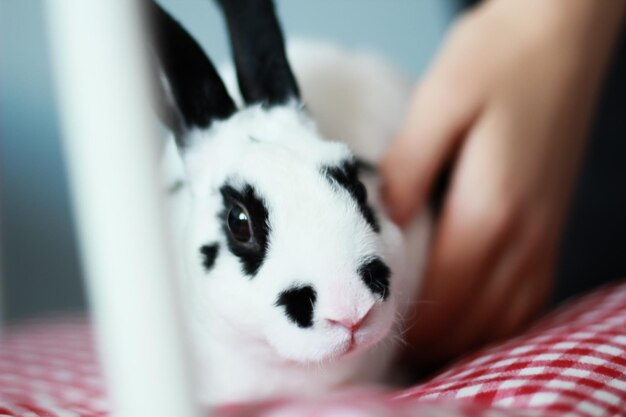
246 226
239 224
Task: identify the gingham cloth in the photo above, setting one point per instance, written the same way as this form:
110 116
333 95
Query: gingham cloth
572 363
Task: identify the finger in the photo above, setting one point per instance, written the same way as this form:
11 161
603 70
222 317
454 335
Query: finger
474 230
458 265
476 320
502 320
529 298
518 309
475 223
536 274
435 121
483 318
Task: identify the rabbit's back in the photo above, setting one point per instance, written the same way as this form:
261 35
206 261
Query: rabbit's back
354 96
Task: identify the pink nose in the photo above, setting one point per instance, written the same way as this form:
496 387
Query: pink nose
349 323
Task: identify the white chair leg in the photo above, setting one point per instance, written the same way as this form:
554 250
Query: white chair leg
111 150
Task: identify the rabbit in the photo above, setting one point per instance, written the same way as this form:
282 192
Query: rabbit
295 282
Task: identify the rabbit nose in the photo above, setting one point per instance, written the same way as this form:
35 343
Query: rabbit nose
351 323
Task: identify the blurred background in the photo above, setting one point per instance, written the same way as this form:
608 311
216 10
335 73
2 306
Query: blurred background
39 259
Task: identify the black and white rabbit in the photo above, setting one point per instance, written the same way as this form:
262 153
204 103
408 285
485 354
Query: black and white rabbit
295 280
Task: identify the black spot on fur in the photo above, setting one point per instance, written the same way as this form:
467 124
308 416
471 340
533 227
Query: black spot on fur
299 303
375 274
209 253
346 176
251 254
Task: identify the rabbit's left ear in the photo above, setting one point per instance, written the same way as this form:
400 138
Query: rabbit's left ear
196 91
258 47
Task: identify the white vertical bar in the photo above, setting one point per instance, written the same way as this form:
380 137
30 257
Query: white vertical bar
111 148
2 300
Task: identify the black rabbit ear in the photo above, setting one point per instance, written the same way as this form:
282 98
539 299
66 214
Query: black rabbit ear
194 86
258 47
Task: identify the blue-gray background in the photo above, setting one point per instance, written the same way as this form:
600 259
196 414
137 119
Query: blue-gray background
39 254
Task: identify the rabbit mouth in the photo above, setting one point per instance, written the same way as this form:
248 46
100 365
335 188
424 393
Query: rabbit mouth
357 342
348 347
352 346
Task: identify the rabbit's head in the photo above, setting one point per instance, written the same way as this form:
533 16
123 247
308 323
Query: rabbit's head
284 251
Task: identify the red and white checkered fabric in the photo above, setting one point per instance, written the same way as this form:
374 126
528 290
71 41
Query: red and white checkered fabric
48 367
572 363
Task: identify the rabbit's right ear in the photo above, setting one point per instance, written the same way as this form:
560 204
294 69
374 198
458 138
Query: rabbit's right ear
194 86
258 47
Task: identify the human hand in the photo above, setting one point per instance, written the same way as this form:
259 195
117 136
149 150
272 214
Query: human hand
510 99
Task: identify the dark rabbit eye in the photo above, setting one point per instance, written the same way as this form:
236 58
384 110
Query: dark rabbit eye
239 224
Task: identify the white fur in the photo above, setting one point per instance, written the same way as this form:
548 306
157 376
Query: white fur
246 347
